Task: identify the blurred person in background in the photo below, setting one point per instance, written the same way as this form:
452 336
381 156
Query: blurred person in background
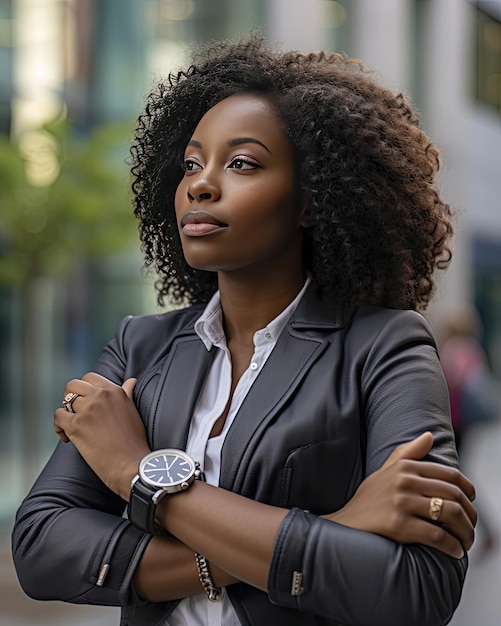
282 443
474 392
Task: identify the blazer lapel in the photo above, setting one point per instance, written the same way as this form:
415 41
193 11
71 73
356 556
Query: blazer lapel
178 389
298 347
281 374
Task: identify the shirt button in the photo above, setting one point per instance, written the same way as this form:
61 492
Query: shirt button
253 366
267 335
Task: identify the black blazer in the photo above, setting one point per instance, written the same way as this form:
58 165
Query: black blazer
326 410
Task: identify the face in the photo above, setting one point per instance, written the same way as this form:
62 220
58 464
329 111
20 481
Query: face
237 206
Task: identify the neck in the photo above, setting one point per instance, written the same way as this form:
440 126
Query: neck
250 305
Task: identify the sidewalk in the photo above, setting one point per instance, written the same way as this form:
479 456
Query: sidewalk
481 601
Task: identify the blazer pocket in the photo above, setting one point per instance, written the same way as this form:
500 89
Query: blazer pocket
320 477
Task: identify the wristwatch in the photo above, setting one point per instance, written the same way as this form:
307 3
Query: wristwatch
160 472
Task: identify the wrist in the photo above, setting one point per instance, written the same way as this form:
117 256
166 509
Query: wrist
127 475
126 483
211 589
124 474
162 474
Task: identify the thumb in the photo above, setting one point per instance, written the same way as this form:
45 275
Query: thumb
416 449
128 386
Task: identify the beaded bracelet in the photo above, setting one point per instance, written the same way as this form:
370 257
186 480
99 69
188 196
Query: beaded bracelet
213 592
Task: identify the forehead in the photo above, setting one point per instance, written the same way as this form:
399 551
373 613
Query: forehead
242 113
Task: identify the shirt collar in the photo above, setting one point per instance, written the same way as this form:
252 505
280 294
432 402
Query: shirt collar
209 326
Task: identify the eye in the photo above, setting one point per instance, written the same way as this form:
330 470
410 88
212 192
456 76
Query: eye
243 163
191 166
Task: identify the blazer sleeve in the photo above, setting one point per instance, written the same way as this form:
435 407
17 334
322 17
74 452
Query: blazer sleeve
356 577
70 541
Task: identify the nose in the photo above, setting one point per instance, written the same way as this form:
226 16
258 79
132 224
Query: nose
202 188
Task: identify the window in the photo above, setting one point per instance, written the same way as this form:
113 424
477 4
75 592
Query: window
488 53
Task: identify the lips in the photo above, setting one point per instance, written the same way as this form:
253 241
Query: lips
198 223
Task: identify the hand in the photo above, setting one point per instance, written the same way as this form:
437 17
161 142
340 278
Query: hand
106 429
394 501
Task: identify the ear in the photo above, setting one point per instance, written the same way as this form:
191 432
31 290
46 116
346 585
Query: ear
305 219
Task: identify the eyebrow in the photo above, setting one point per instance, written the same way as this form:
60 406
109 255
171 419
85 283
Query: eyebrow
240 140
234 142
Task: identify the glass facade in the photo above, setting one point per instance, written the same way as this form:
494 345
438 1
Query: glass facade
53 327
487 71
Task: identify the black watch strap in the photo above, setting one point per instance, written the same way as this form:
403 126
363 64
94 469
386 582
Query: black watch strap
141 509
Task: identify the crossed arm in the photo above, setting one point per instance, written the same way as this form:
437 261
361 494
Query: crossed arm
238 535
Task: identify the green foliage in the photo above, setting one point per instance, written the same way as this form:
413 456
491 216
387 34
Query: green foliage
62 198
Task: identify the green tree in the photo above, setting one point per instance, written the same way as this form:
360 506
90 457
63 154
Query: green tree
62 199
63 202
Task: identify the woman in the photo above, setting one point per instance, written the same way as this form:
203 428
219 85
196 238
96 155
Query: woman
287 202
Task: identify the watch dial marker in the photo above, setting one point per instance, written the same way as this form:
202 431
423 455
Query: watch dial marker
165 469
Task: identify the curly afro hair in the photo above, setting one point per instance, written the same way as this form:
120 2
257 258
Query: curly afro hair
379 228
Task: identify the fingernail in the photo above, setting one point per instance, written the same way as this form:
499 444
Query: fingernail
459 553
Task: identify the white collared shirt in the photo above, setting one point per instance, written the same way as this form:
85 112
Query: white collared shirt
197 610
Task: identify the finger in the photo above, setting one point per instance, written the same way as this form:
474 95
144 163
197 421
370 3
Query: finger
416 449
128 387
80 389
86 385
457 511
454 519
97 380
437 488
61 434
435 536
453 494
439 471
447 474
61 423
78 385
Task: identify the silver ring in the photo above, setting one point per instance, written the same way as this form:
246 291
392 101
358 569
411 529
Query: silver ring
68 400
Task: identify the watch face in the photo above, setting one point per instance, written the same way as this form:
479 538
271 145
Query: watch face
166 468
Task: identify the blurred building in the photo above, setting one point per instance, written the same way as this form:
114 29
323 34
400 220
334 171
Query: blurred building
97 58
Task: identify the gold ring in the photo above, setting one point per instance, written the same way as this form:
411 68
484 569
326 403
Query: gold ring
68 400
435 508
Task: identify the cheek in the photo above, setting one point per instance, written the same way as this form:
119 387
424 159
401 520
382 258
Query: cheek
277 210
272 202
177 198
